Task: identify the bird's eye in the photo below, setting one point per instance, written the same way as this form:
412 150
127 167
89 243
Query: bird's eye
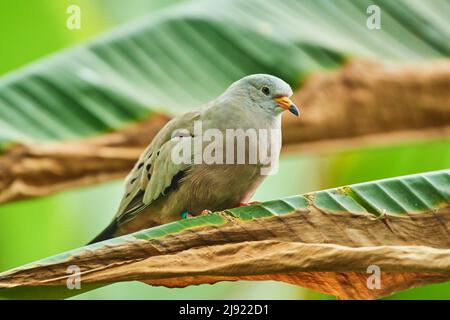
265 90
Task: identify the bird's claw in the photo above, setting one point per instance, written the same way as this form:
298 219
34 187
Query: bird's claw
186 215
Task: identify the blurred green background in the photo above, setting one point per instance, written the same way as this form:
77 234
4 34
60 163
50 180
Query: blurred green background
35 229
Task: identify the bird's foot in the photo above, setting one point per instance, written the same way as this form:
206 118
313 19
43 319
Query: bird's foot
186 215
248 203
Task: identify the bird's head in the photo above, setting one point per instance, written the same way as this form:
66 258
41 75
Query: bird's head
265 91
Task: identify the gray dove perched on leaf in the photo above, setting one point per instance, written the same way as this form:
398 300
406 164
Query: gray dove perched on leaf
159 190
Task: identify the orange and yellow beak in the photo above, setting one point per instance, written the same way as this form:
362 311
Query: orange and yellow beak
287 104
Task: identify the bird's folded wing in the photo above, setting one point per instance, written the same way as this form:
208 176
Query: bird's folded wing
156 169
165 166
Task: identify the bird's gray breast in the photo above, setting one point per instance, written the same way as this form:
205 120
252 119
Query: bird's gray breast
231 169
218 187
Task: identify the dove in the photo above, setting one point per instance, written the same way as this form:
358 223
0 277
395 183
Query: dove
160 190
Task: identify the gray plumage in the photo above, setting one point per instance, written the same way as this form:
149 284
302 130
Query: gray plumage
157 190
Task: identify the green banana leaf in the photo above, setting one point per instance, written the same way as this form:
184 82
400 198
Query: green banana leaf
351 216
187 54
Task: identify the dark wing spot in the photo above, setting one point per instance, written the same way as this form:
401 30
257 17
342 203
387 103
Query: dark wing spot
149 176
157 154
132 180
175 181
128 194
148 167
140 165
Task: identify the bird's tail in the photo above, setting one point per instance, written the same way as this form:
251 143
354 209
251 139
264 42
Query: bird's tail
106 234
